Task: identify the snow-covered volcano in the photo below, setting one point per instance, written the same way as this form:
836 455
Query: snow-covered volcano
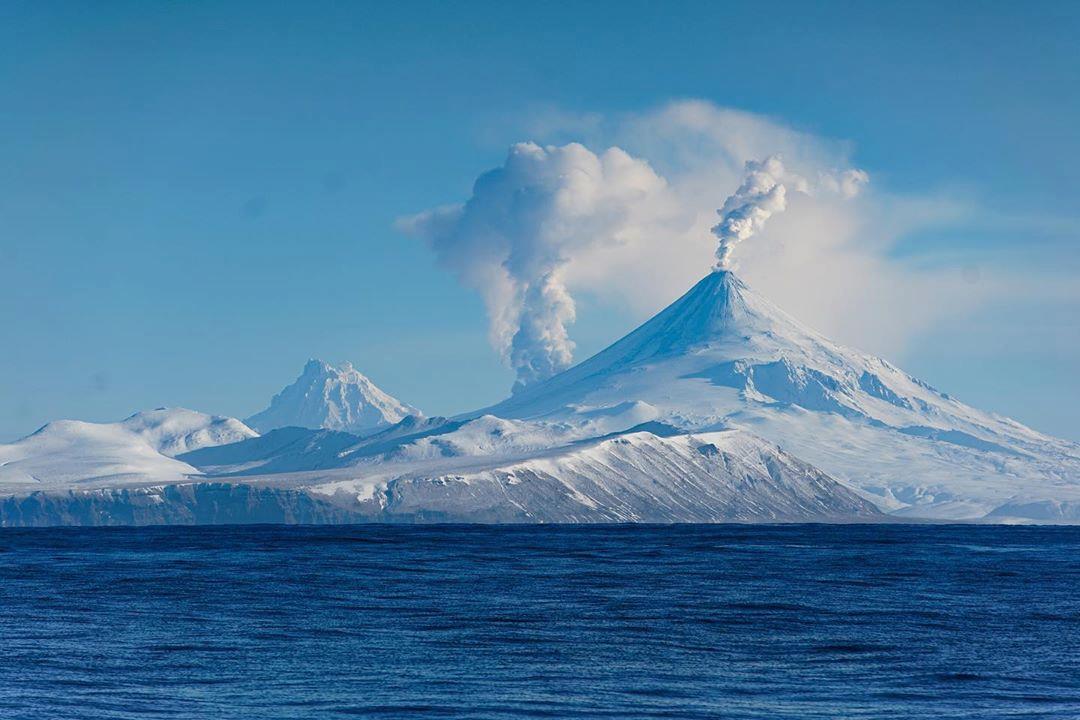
332 398
723 356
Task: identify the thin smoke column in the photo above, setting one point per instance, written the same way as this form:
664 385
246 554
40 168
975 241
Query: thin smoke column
761 195
764 193
541 346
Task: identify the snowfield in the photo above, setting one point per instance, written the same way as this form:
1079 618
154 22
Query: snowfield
720 408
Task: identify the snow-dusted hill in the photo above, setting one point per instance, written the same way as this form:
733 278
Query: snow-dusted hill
174 431
641 476
333 398
138 450
438 442
723 356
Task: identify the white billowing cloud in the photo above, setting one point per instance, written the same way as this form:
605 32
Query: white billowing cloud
829 259
525 223
702 151
631 227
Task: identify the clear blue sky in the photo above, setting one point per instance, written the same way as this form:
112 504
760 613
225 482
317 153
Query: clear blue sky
195 197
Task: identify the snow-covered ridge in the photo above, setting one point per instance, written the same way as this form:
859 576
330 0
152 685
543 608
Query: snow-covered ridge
634 477
333 398
68 453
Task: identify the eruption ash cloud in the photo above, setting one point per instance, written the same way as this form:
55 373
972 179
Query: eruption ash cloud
763 193
514 238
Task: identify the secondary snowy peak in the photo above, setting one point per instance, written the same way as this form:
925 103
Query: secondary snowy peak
333 398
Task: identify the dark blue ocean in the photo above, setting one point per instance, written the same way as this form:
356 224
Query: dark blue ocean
894 621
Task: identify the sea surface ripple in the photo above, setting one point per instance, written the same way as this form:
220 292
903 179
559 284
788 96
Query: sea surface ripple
810 621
